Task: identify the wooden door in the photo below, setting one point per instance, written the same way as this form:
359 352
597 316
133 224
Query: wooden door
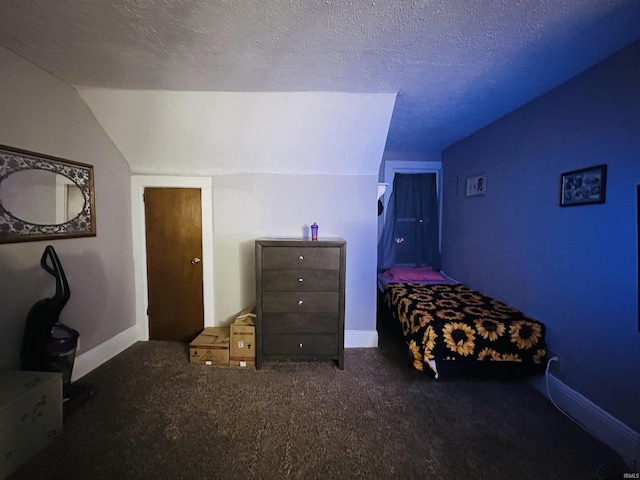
173 224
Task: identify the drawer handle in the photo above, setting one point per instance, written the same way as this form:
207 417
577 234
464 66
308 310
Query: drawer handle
300 344
299 302
300 280
301 257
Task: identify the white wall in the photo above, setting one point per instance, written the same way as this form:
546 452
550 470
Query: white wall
248 206
278 162
289 160
42 114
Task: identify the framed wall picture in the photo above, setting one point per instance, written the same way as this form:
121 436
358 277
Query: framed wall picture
582 187
477 185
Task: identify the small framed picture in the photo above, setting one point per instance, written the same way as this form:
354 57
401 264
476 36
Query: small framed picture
582 187
477 185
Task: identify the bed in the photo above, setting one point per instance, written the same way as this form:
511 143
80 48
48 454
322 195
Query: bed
450 329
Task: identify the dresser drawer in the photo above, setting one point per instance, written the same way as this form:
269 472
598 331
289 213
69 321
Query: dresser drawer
300 302
301 280
310 323
306 258
300 345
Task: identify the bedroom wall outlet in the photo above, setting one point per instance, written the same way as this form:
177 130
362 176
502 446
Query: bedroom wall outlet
556 365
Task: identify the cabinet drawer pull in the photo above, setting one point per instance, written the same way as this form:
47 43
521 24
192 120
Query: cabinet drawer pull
300 344
300 280
299 302
301 257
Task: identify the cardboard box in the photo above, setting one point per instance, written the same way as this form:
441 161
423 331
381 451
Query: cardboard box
243 340
211 347
30 415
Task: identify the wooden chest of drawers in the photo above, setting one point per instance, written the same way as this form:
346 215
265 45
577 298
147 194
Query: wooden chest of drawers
300 289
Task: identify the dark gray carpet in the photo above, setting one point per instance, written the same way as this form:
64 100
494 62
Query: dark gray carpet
155 416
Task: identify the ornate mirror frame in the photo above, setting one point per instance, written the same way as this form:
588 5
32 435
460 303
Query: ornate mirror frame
14 229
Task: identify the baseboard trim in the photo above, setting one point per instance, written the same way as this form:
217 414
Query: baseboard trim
598 422
92 359
360 338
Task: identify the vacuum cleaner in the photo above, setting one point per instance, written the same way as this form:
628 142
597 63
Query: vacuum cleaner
48 345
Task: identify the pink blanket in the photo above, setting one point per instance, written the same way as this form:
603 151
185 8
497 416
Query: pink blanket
405 274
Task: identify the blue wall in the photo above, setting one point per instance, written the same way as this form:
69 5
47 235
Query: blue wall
574 268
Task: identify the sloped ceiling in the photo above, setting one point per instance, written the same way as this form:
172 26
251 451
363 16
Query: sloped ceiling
211 133
453 65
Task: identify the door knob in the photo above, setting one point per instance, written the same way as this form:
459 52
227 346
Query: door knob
195 261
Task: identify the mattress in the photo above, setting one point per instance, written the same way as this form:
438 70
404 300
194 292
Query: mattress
453 327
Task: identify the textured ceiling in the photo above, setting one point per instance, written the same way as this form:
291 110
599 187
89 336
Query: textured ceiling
456 65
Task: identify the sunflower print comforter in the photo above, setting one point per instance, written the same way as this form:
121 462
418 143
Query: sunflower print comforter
444 323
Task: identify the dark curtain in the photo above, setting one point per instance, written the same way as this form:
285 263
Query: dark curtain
410 237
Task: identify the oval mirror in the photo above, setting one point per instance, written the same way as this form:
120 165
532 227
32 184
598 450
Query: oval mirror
41 197
44 197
